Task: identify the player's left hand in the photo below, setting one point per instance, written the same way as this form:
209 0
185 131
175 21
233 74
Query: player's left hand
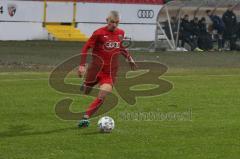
133 65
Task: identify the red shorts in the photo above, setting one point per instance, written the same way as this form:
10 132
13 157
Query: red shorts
101 78
104 78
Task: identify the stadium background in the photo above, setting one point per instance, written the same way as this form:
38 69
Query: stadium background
29 16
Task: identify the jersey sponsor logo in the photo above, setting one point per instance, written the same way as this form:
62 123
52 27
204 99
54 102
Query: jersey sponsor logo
112 45
145 14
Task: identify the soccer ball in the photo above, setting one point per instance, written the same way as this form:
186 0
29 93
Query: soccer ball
106 124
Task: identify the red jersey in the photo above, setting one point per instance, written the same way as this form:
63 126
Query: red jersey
106 46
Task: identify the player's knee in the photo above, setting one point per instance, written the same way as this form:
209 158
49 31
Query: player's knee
106 87
104 91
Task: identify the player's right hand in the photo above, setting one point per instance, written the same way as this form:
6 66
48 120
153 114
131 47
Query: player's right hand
81 71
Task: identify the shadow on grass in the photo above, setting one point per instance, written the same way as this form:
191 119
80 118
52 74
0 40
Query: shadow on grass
92 133
23 130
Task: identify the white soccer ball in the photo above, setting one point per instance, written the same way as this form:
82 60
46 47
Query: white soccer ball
106 124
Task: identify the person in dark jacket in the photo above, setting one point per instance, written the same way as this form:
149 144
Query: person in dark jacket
174 27
230 20
217 24
205 40
195 27
202 24
187 34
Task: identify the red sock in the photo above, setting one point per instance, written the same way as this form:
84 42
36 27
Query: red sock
94 106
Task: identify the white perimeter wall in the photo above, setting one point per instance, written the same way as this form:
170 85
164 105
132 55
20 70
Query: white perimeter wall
26 24
136 32
22 31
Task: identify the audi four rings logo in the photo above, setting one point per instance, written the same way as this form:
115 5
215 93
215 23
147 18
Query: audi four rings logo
145 14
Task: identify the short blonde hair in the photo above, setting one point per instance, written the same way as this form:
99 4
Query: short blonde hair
113 15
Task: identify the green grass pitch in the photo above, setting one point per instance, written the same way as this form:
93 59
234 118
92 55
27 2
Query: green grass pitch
206 85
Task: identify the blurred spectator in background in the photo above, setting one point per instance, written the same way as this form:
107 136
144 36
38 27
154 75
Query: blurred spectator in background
219 26
230 33
202 26
205 40
174 26
187 34
195 27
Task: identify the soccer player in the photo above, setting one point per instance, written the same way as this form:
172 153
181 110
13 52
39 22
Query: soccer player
106 45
